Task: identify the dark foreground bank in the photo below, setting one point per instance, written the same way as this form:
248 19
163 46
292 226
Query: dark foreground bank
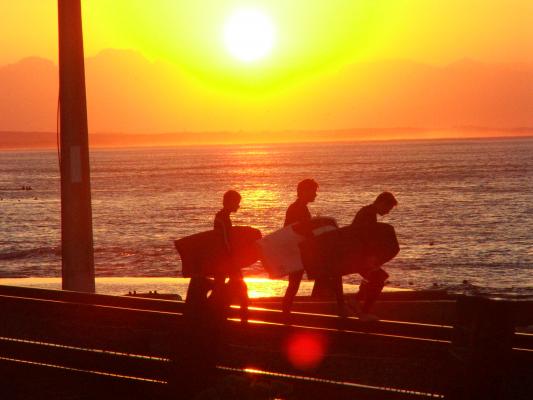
59 345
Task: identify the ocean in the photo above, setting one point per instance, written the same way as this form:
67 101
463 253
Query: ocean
464 219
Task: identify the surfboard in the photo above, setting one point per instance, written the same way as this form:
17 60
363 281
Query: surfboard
280 251
346 250
204 253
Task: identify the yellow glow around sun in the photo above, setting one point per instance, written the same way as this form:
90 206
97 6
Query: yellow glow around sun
249 35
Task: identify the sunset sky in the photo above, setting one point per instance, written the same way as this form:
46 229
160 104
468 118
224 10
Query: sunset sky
173 66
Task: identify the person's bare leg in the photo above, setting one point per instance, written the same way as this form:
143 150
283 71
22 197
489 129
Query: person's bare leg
336 285
371 289
323 287
243 300
363 290
292 289
218 290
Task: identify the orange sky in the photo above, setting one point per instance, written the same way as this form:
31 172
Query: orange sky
158 67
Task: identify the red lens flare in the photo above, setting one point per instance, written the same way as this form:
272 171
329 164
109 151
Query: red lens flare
306 350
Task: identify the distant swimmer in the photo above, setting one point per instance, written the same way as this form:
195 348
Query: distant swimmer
366 227
299 212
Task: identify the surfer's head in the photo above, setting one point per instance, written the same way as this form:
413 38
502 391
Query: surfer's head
306 190
231 200
385 202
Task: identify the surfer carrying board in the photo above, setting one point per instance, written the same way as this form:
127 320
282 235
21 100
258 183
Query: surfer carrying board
299 212
236 287
365 225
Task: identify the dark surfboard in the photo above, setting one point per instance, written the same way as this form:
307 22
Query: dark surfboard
204 253
345 250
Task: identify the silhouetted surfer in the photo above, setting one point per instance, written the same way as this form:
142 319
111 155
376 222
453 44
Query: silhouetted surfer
299 212
366 226
217 253
236 287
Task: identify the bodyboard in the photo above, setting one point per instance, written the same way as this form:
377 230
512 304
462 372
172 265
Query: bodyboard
205 254
280 251
346 250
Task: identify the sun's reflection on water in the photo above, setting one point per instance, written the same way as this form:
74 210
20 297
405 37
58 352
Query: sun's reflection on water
259 197
257 287
263 287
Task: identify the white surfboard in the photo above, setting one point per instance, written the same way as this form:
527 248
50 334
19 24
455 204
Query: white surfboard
280 251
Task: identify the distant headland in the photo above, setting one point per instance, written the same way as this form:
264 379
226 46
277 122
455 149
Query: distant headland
48 140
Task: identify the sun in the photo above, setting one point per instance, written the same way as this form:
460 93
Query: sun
249 35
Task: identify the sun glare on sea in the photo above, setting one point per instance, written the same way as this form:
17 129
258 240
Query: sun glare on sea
249 35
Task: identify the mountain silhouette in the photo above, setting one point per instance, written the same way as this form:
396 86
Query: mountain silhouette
128 93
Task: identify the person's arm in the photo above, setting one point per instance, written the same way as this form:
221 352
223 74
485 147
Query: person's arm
363 223
221 227
290 215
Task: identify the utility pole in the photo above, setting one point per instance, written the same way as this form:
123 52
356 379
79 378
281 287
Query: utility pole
76 215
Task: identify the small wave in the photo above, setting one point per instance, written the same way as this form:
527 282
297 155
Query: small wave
12 188
28 253
468 288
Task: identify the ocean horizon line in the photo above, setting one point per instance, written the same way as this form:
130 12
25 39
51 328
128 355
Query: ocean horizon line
47 140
